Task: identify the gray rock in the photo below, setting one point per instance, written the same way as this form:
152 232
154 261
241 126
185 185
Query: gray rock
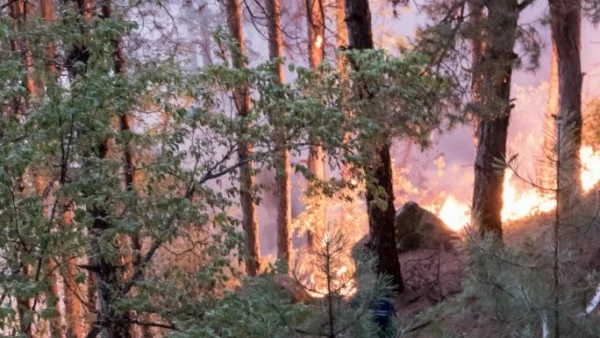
418 228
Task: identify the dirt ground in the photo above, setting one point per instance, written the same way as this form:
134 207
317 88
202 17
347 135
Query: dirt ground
433 277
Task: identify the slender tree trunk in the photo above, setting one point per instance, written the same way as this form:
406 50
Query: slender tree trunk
110 323
341 32
492 131
242 102
341 42
47 12
52 300
91 288
548 169
17 12
381 222
478 51
48 17
72 303
283 176
565 22
316 157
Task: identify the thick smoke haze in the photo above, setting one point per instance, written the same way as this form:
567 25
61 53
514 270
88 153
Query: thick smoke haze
447 167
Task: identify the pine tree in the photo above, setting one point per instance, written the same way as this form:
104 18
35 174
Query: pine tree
565 22
502 27
381 218
316 159
242 103
282 167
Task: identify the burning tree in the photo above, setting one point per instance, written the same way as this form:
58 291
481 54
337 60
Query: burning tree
540 284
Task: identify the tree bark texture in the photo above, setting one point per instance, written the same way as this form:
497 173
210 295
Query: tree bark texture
381 222
106 270
316 157
477 53
283 176
47 12
242 103
73 318
565 22
497 66
17 13
341 32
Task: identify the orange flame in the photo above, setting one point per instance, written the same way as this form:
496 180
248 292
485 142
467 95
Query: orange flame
519 203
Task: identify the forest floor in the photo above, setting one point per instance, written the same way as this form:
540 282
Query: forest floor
434 278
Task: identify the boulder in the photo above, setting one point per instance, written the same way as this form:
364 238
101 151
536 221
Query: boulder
418 228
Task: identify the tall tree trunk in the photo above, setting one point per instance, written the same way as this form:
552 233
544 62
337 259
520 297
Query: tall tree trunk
283 177
341 32
316 157
72 303
47 12
492 131
477 53
19 11
18 15
242 103
548 169
381 222
110 323
565 22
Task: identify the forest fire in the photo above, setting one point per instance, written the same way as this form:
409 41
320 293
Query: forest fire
520 203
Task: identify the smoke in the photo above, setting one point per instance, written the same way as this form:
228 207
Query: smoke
447 167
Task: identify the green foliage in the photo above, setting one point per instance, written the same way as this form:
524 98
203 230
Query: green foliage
173 243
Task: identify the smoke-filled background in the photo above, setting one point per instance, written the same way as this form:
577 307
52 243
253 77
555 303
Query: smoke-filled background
430 176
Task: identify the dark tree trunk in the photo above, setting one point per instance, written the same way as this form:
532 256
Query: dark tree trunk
316 157
478 51
497 68
109 323
283 177
242 102
381 222
565 22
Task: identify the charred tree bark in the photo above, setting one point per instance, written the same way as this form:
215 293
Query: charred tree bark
565 22
316 157
497 65
381 222
283 176
242 103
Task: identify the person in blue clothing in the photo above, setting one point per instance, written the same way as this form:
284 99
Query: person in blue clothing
383 312
383 308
